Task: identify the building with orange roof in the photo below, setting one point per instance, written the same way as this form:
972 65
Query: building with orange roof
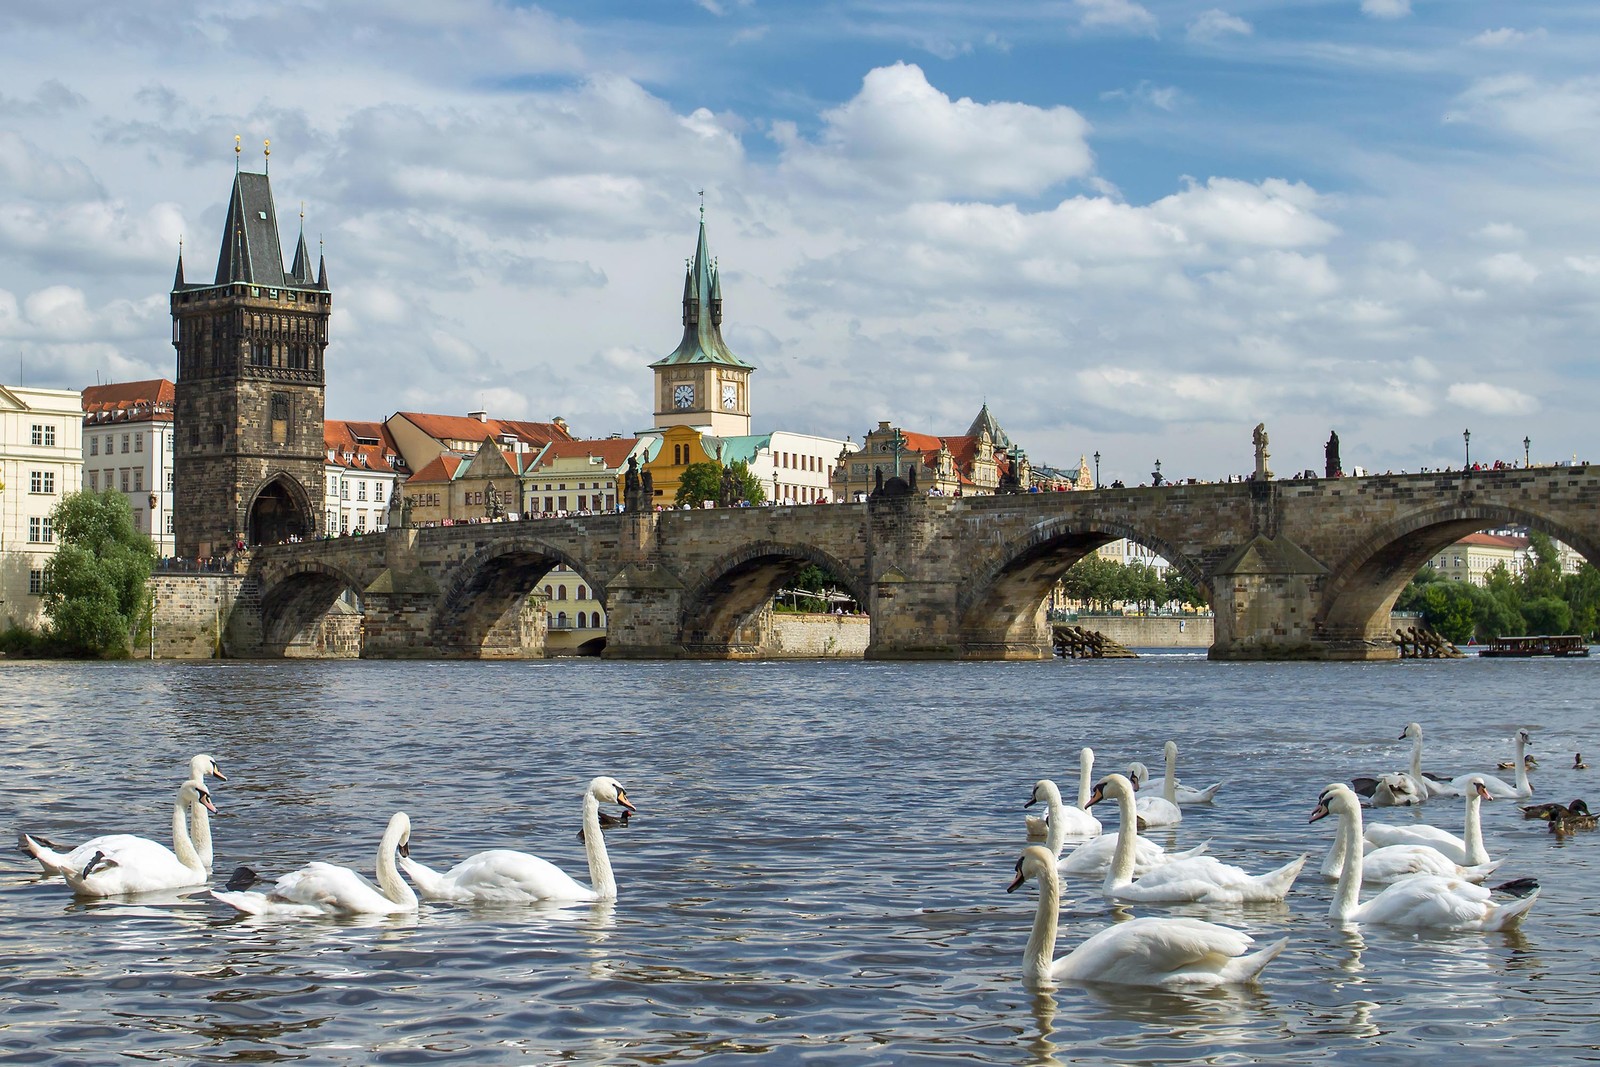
971 464
128 446
364 470
1476 555
422 437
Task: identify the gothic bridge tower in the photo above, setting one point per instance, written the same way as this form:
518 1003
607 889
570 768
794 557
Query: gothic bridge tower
248 452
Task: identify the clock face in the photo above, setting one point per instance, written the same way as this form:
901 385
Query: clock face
730 395
683 396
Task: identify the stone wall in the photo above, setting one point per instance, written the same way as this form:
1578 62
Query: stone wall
192 612
802 636
1155 631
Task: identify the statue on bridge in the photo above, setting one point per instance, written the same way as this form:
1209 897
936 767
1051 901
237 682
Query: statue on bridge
631 493
493 505
730 492
1262 455
1331 467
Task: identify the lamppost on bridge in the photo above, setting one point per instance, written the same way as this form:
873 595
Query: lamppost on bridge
1525 443
1466 441
1097 469
774 480
1155 476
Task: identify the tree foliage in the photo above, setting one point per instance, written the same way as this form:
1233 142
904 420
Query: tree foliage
703 481
95 583
1539 600
1101 584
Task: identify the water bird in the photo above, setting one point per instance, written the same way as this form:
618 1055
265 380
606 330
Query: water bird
1403 788
1528 762
53 858
1093 857
609 821
1203 879
1184 795
1149 951
1554 809
1568 821
1077 821
1154 811
1467 850
505 876
123 863
1577 762
1422 902
1501 789
319 889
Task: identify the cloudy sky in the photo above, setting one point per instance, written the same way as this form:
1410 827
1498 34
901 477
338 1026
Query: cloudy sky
1137 229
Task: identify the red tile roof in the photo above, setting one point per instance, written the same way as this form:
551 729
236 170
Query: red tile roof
442 469
146 401
1488 540
468 428
612 451
361 446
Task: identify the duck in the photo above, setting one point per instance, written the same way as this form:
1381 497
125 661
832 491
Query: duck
1554 809
1154 811
325 889
1183 795
124 864
1577 762
1527 761
1202 879
1421 902
1466 850
1522 789
1166 953
54 858
1568 821
1077 821
504 876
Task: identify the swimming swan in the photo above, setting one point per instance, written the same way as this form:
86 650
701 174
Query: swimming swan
122 863
1423 902
1200 878
1181 794
327 889
1155 811
1522 790
1093 858
1165 952
1074 822
55 858
503 876
1467 850
1394 862
1403 788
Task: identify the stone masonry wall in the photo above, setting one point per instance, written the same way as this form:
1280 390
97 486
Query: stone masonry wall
192 613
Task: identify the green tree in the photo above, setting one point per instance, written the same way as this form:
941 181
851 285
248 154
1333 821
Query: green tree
1547 615
1542 577
1581 591
749 483
703 481
94 584
1182 590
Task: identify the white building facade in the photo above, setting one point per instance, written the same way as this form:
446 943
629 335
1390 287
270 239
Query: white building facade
127 446
41 461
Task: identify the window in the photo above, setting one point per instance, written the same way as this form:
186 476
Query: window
94 481
583 593
125 442
94 444
280 419
598 620
344 490
547 592
169 522
138 442
169 481
361 522
361 490
561 592
124 479
41 531
169 442
42 481
194 437
377 491
216 434
36 582
138 479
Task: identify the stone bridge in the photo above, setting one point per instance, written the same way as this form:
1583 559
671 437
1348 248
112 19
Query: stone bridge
1294 569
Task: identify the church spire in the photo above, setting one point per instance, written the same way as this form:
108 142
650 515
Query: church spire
702 311
300 271
177 278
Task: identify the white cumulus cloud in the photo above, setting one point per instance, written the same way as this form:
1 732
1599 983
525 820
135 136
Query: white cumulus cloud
1489 398
1216 24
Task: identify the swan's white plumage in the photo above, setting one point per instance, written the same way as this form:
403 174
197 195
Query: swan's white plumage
1164 952
1155 811
327 889
123 864
1467 850
1181 794
1422 902
1072 821
506 876
1202 879
1522 790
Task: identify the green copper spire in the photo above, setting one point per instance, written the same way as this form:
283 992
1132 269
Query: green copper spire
702 313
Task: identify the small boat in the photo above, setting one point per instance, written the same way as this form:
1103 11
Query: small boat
1544 645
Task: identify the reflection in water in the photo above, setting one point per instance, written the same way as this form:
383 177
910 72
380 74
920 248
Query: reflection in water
1041 1047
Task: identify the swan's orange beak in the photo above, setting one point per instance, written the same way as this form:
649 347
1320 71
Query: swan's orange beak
205 800
1320 811
1016 883
216 772
1483 790
622 798
1098 795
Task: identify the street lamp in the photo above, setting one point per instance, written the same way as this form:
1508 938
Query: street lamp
1525 444
1097 470
774 480
1155 477
1466 441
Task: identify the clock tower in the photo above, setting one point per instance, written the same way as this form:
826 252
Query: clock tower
702 384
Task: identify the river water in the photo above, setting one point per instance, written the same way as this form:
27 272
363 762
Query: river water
817 870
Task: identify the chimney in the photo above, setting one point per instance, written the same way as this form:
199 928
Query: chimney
481 416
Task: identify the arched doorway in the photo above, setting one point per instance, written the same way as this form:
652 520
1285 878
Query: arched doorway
277 514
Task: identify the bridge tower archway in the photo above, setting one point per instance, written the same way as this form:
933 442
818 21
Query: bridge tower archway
280 510
1004 609
726 614
1360 591
492 606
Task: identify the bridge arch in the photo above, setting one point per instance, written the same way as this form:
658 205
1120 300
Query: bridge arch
279 511
484 610
1002 607
1361 589
720 612
311 609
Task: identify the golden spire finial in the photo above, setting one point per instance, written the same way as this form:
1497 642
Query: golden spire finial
236 150
266 150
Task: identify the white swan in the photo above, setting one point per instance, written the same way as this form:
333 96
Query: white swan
326 889
1155 811
122 863
1422 902
503 876
1467 850
1401 788
1165 952
1181 794
1521 791
54 858
1394 862
1093 858
1074 822
1200 878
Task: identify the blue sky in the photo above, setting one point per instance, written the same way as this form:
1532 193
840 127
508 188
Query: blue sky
1132 228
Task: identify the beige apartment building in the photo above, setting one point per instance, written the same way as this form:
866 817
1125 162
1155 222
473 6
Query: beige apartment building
41 461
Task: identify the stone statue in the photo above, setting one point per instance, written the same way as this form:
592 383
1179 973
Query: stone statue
1262 455
630 485
647 489
491 501
878 471
1331 467
728 495
911 476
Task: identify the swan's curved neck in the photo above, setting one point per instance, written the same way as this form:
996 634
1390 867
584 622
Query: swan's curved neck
200 833
601 880
394 887
1085 772
1169 784
182 844
1120 873
1522 770
1347 895
1041 950
1056 839
1472 834
1416 759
